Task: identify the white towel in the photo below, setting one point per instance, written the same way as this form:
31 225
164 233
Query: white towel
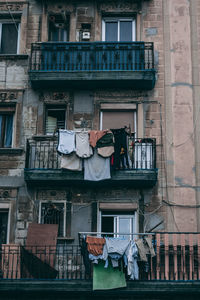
83 148
66 143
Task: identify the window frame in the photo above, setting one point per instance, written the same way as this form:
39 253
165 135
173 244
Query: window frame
66 28
118 110
18 33
64 213
54 107
7 207
7 112
132 215
118 19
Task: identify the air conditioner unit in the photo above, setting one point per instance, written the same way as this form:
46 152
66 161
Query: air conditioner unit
86 35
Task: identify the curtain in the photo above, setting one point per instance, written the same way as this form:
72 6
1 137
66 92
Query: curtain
8 131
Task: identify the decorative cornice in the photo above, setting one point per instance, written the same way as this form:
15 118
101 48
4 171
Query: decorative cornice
54 96
60 8
118 6
12 6
6 95
115 94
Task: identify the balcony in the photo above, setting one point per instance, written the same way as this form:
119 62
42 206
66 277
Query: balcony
43 165
92 65
175 269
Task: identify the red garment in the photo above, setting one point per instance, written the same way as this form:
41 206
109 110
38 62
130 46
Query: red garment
95 245
95 135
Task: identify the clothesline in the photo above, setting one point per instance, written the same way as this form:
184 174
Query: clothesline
118 233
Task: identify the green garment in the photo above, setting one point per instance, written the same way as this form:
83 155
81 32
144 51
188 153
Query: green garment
105 141
107 278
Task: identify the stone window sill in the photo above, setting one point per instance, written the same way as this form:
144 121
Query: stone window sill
13 56
11 151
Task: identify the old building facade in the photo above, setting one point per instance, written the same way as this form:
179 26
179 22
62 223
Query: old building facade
92 65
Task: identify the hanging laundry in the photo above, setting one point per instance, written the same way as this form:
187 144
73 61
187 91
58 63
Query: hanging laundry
115 249
141 249
66 141
83 148
107 279
121 159
145 247
132 265
149 246
105 145
96 168
71 162
85 254
95 245
95 135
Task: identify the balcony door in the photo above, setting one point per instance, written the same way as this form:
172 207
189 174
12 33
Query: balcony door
118 30
118 223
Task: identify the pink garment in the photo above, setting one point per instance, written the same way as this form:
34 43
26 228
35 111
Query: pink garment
95 135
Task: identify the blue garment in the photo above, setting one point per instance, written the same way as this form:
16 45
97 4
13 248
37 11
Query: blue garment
132 255
95 259
115 248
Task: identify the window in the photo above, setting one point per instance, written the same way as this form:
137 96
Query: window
6 129
118 29
114 119
54 213
9 37
55 119
58 28
118 222
3 225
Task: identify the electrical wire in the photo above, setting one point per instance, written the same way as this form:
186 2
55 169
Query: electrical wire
11 14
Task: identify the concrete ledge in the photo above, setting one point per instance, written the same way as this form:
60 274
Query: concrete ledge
63 288
145 178
92 79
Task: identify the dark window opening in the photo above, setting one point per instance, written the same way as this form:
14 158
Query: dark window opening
121 223
58 28
3 226
9 38
53 213
55 119
6 130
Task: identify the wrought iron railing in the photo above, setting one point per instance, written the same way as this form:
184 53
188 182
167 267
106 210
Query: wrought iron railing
177 257
91 56
141 154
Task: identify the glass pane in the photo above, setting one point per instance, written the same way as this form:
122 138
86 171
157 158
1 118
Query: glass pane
55 120
8 131
3 226
9 38
125 31
124 225
111 31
